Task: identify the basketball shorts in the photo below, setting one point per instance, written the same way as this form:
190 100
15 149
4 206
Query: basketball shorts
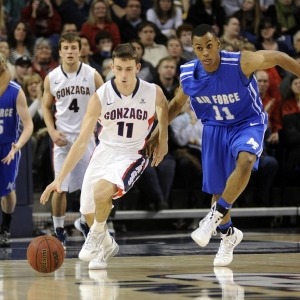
121 167
220 149
74 179
8 173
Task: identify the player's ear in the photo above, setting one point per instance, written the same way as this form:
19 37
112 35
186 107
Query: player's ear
218 43
138 67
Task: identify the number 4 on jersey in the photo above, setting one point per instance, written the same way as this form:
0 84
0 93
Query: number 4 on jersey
74 106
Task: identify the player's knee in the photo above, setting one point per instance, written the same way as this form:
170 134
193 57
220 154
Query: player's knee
102 195
246 160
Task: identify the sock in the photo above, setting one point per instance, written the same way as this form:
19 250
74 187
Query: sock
82 218
224 227
58 222
107 241
223 206
98 227
6 220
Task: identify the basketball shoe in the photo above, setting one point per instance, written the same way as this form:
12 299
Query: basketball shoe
5 240
230 290
103 255
228 242
207 227
91 246
82 227
61 236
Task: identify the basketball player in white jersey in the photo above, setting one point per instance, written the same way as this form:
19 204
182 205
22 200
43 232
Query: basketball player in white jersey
68 87
125 107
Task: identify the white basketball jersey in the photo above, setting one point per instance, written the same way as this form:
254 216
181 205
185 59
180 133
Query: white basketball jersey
126 120
72 93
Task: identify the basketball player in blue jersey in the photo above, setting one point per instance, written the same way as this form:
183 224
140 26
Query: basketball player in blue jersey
13 107
225 96
125 107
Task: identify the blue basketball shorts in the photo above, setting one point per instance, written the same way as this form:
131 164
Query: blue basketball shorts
221 146
8 173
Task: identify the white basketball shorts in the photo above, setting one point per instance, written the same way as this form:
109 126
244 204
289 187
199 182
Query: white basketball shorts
74 179
119 166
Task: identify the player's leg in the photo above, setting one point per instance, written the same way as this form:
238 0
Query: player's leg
8 204
59 205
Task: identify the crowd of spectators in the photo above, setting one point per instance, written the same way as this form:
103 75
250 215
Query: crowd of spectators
161 32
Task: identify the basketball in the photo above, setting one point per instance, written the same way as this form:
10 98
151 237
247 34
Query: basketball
45 254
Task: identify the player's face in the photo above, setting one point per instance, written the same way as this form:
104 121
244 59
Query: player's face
207 50
125 71
69 52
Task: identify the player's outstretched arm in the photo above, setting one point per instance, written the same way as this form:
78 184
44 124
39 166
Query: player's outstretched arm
174 108
23 112
161 148
78 148
265 59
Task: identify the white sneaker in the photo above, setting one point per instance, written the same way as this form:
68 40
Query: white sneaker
228 243
91 246
207 227
230 290
103 255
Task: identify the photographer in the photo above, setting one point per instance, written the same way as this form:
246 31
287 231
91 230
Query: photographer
43 19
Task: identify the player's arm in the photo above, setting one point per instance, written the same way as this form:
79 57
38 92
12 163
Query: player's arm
98 80
174 108
56 136
23 112
265 59
162 117
78 148
5 75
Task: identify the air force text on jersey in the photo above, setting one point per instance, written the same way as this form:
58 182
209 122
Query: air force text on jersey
219 99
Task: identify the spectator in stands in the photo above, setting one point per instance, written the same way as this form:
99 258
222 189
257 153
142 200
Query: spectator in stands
166 16
174 48
268 34
187 137
104 46
4 48
107 73
153 52
232 35
249 16
231 6
100 19
43 62
20 41
207 12
41 162
271 105
23 67
85 56
68 27
70 11
296 42
166 77
147 72
184 34
13 8
292 102
285 13
131 19
43 19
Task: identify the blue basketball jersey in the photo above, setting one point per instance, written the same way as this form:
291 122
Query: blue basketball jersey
225 97
9 119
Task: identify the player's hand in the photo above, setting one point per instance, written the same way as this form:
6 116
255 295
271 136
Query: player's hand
151 145
58 138
55 185
159 152
11 155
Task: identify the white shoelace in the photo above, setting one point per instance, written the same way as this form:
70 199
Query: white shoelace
100 255
226 243
206 220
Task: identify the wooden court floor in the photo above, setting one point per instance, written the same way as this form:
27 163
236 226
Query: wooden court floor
162 266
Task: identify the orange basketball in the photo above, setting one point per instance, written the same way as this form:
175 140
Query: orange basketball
45 254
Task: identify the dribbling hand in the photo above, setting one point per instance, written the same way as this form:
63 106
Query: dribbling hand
54 186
